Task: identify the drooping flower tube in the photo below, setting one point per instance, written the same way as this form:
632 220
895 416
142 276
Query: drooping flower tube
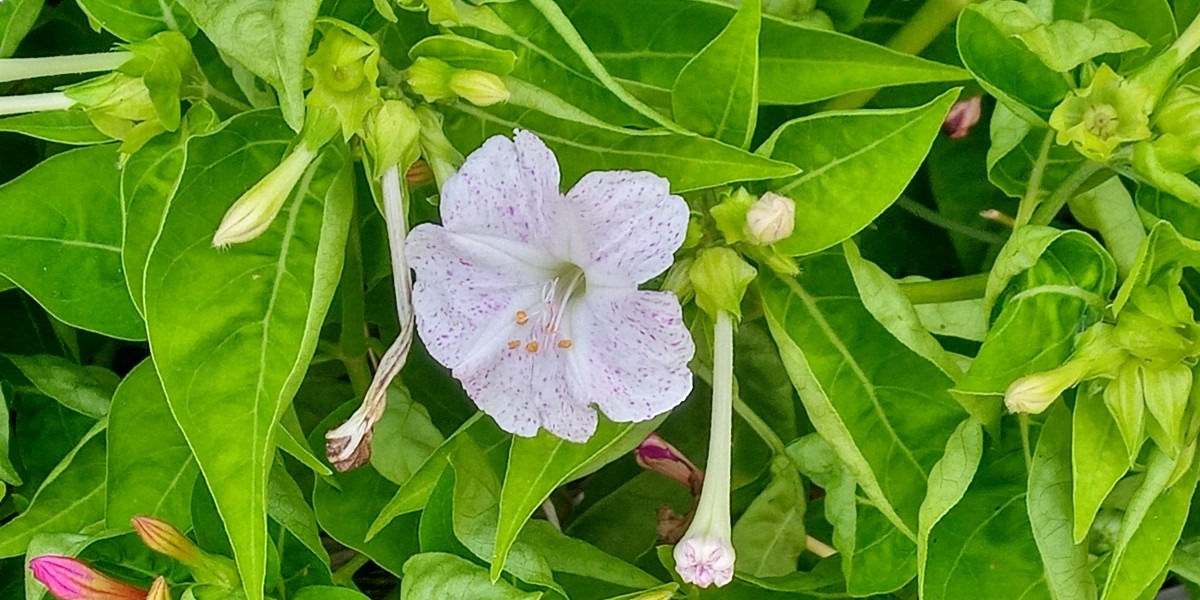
531 296
71 579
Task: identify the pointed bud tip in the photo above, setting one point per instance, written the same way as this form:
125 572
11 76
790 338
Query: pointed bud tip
71 579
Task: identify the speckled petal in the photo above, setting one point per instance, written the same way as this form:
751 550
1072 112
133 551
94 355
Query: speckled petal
467 291
503 189
525 390
637 349
630 222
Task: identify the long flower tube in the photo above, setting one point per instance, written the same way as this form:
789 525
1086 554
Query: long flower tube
705 555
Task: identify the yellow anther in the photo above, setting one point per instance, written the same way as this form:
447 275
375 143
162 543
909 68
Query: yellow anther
522 317
564 344
532 346
514 344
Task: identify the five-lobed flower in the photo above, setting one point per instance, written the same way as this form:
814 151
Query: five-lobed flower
531 296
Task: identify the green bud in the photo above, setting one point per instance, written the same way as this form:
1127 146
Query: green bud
430 78
1159 172
392 136
255 210
730 215
1034 393
1166 392
169 69
1151 337
1123 398
119 105
720 277
1179 113
344 69
1102 116
679 281
478 87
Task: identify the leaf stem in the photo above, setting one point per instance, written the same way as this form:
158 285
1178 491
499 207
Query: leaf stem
345 573
1029 201
13 69
916 35
15 105
938 291
1067 190
353 340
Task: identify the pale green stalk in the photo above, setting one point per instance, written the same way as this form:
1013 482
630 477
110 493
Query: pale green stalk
15 105
14 69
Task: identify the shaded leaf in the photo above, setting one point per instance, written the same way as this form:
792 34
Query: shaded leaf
729 66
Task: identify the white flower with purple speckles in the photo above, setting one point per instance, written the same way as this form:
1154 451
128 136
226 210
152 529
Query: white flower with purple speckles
531 297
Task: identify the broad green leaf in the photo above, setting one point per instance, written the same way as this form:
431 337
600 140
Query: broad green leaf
1003 65
1022 152
962 319
716 93
948 482
60 241
1108 208
1046 287
797 65
8 473
135 20
837 152
984 548
1063 44
539 464
1051 514
232 331
446 576
86 390
572 556
877 558
62 126
1149 19
1098 458
1151 527
151 470
690 162
327 592
149 180
71 500
45 433
409 435
885 410
345 511
270 37
286 505
16 19
770 536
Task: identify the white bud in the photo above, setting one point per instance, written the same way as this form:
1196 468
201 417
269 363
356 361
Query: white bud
705 560
479 87
771 218
1033 393
254 212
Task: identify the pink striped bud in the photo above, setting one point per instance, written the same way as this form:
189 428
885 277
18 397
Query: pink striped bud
164 539
159 590
71 579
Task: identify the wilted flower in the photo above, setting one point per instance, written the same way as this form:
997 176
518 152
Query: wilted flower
962 117
70 579
530 296
1102 116
771 218
657 455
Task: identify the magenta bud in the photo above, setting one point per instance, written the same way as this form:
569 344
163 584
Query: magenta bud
71 579
962 117
659 456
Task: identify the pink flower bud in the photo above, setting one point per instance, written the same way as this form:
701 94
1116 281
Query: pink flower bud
659 456
164 539
70 579
962 117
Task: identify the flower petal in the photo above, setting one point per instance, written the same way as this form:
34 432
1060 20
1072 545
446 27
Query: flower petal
637 350
524 390
468 290
631 224
502 189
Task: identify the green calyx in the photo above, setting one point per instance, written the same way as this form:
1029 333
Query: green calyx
1102 116
720 277
344 69
392 135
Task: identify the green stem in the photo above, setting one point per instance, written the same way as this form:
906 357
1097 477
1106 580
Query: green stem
353 339
1055 203
929 21
1023 419
1029 202
344 573
15 105
13 69
946 290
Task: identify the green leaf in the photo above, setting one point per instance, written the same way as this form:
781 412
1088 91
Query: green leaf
62 126
770 536
877 558
8 472
445 576
135 20
1063 44
86 390
60 237
988 527
411 437
690 162
729 66
1003 65
16 19
797 65
885 410
1108 208
1098 458
465 53
271 38
231 362
1150 19
1046 287
1020 149
539 464
327 592
286 505
71 500
948 482
1051 514
151 470
45 433
837 152
566 554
